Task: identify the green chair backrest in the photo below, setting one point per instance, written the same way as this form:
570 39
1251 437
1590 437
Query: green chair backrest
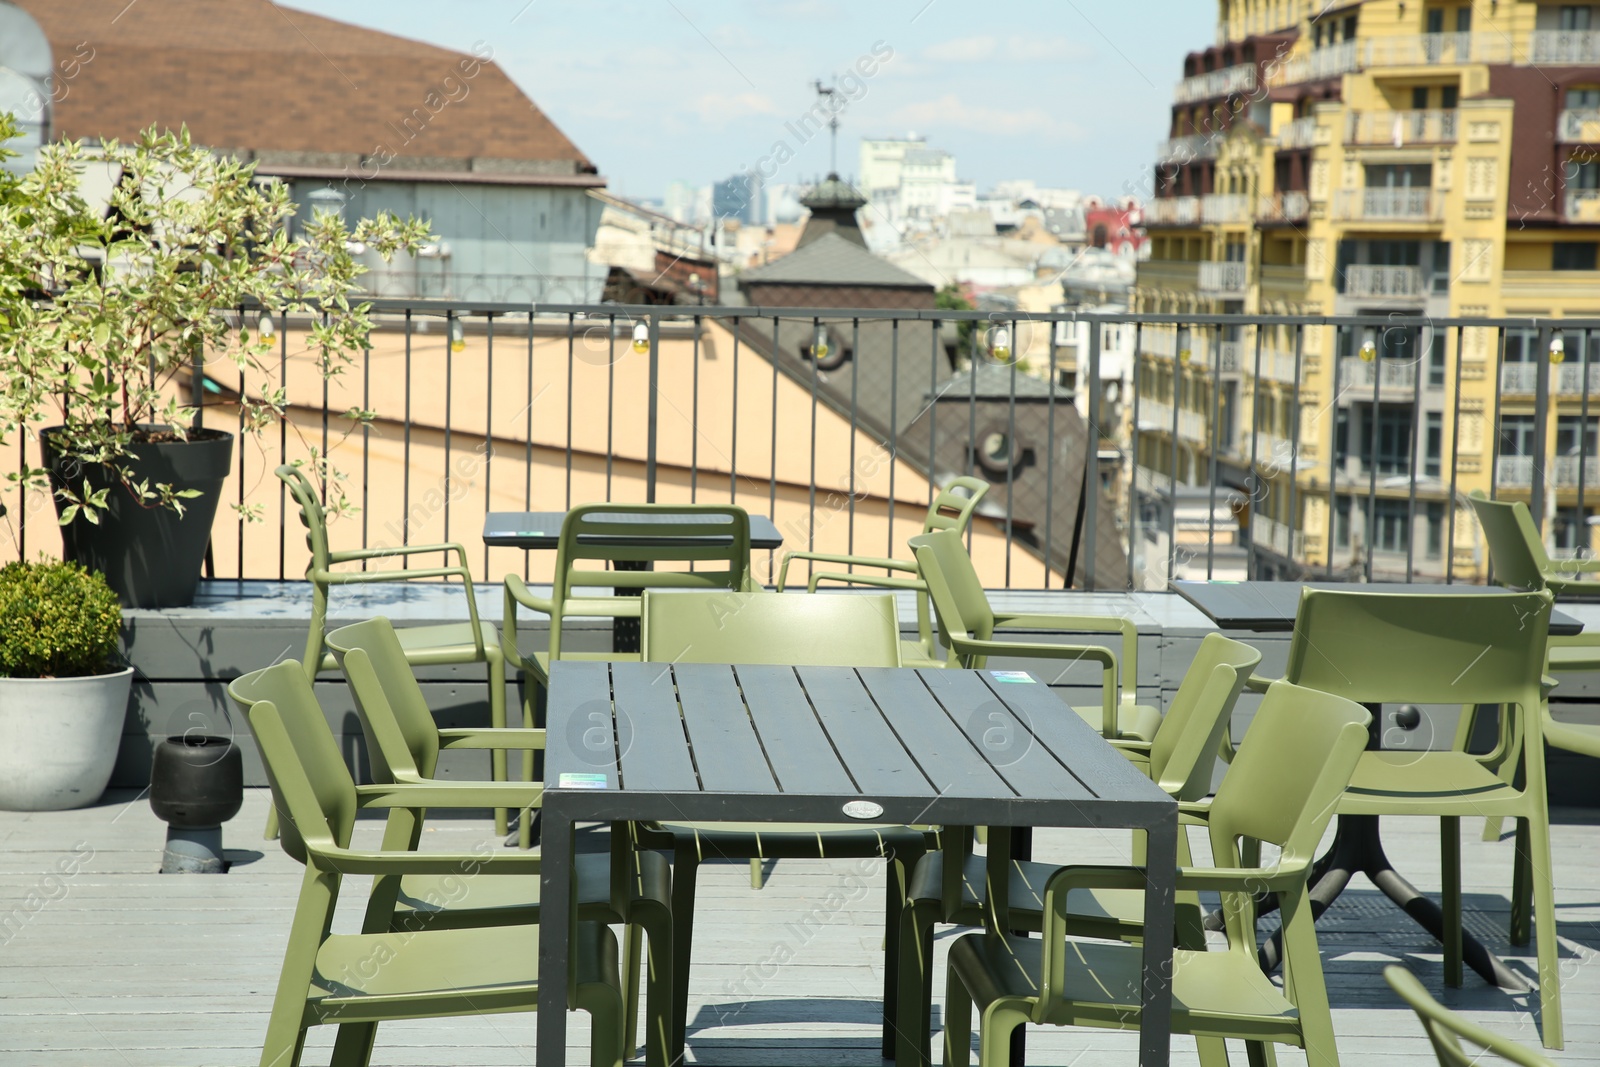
1515 549
315 520
1371 647
836 629
1445 1028
1284 784
311 786
1184 751
401 733
959 602
951 510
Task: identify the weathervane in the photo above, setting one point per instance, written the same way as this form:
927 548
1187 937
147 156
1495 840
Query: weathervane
825 92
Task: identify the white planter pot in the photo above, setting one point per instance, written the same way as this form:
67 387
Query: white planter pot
59 739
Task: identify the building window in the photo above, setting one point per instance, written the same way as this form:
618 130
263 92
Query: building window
1419 95
1570 532
1392 532
1587 99
1575 16
1574 434
1573 255
1449 97
1435 529
1434 445
1394 439
1516 435
1341 522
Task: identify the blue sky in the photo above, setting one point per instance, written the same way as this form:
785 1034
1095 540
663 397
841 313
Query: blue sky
1067 92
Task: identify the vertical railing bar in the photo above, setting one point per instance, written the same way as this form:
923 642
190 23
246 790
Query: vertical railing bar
488 427
283 442
1494 427
1050 456
933 412
733 430
1333 450
652 416
1172 485
694 417
1541 427
405 477
1585 545
527 448
1455 451
1133 466
366 448
972 413
772 474
611 395
1012 455
323 362
1091 482
449 400
855 379
1254 481
1372 468
894 422
811 506
1216 445
1291 514
1416 431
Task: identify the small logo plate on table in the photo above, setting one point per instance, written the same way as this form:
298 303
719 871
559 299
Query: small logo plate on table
1014 677
578 780
863 809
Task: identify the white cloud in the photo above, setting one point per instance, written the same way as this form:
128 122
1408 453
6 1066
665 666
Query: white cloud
949 111
1035 49
718 109
961 50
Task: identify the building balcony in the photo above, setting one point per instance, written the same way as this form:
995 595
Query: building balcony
1565 47
1513 472
1231 355
1229 279
1216 84
1396 374
1582 205
1396 129
1274 535
1291 206
1319 65
1277 365
1437 49
1157 417
1300 133
1172 211
1386 283
1219 209
1519 379
1567 474
1579 126
1188 147
1568 379
1388 205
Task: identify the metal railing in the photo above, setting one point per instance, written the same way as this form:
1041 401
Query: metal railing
509 407
1225 277
1330 62
1291 206
1579 126
1438 49
1367 280
1220 208
1399 128
1388 205
1582 205
1298 133
1565 46
1172 211
1217 83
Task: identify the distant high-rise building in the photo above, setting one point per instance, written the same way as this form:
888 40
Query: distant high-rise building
678 203
739 197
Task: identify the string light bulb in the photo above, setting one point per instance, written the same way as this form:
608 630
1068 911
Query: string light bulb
458 336
1001 344
641 337
1369 346
819 343
1183 344
265 328
1558 348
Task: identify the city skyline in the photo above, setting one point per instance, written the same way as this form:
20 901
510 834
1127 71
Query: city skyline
1061 94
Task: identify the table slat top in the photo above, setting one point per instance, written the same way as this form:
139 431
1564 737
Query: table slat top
542 529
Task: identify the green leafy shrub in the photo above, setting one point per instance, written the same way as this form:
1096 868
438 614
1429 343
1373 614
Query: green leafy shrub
57 620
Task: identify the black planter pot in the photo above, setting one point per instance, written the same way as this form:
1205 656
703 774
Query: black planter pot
150 555
196 785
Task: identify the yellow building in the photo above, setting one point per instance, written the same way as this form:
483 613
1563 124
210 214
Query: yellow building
1415 162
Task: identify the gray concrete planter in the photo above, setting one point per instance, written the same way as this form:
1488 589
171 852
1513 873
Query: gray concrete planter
59 739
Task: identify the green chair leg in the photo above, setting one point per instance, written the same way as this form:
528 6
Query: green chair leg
497 719
758 877
1450 872
957 1023
1544 921
353 1045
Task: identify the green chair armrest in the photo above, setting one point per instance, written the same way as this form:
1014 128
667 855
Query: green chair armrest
355 861
518 594
502 737
1087 624
432 793
364 577
877 581
824 557
354 554
1257 684
973 647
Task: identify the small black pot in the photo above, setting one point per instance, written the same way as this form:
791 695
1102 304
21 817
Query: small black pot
196 781
151 556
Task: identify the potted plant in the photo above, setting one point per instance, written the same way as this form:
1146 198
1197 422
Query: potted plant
110 311
63 696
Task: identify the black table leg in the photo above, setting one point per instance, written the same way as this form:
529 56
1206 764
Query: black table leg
625 632
1021 849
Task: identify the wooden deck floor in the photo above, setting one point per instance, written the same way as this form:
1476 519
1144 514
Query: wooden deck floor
105 962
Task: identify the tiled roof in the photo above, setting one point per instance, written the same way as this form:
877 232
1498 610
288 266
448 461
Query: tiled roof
269 82
831 260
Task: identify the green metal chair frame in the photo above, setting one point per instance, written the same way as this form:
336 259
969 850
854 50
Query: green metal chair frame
949 510
1469 648
588 537
1281 790
1518 554
950 886
967 626
403 742
843 630
1445 1028
358 980
473 641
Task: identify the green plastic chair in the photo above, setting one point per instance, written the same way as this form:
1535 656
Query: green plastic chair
424 971
1469 648
404 743
950 510
967 625
1280 789
473 641
1445 1028
841 630
1180 760
1520 563
594 535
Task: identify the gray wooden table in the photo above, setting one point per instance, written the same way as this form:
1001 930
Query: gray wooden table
703 742
542 529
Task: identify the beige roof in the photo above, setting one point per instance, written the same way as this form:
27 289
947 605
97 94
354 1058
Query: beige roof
292 88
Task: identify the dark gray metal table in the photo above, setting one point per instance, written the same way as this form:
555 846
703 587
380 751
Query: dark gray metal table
1271 607
542 529
701 742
